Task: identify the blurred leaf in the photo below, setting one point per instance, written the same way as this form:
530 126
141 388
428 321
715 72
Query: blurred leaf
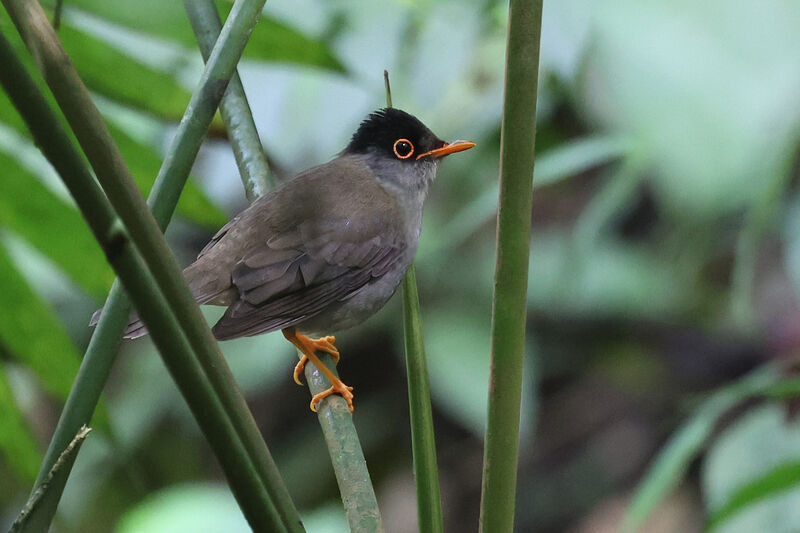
200 508
32 334
53 227
609 279
113 74
780 479
16 441
695 113
576 156
674 459
144 164
552 167
458 346
270 41
750 482
119 77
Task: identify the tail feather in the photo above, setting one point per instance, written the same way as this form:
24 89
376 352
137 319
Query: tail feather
134 330
206 287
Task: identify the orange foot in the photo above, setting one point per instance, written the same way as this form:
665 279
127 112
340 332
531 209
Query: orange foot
307 347
325 344
338 388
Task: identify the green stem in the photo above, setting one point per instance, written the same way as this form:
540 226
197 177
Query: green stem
92 376
423 440
124 257
349 465
234 108
252 163
111 171
518 135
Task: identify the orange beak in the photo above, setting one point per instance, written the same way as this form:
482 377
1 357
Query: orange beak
448 148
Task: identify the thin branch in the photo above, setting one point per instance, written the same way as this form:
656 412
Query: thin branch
518 136
255 175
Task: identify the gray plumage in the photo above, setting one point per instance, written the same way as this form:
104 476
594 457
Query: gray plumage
323 251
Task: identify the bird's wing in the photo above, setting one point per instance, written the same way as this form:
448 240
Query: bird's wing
303 263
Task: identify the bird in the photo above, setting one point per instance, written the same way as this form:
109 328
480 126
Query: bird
326 249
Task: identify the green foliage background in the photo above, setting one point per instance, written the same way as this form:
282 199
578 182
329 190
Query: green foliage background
663 285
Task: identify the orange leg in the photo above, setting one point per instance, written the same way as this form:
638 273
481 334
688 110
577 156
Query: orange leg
307 347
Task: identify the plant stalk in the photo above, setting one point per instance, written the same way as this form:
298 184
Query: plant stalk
518 136
423 438
347 458
235 110
74 99
124 257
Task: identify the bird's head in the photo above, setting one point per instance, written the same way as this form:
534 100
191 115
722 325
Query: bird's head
400 149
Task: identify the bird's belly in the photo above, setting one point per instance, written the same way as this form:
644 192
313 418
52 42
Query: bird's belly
361 305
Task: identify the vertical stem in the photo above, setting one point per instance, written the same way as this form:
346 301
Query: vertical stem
510 286
423 439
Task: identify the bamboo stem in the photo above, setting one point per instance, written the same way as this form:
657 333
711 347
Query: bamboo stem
256 178
124 257
235 110
113 174
347 458
518 135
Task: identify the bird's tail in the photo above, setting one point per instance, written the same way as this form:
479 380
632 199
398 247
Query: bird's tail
205 287
135 329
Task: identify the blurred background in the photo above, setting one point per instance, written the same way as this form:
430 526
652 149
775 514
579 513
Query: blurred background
665 265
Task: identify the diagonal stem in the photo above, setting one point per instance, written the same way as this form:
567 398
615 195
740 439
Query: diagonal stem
126 260
115 178
235 110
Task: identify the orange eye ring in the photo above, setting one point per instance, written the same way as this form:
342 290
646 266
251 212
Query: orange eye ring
399 142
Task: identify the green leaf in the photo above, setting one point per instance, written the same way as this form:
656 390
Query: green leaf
119 77
552 167
32 333
197 507
271 40
16 441
674 458
781 478
577 156
750 476
144 163
53 227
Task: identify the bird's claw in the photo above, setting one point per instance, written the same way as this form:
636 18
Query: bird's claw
323 344
338 387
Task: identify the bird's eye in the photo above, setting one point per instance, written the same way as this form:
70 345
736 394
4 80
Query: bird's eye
403 148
